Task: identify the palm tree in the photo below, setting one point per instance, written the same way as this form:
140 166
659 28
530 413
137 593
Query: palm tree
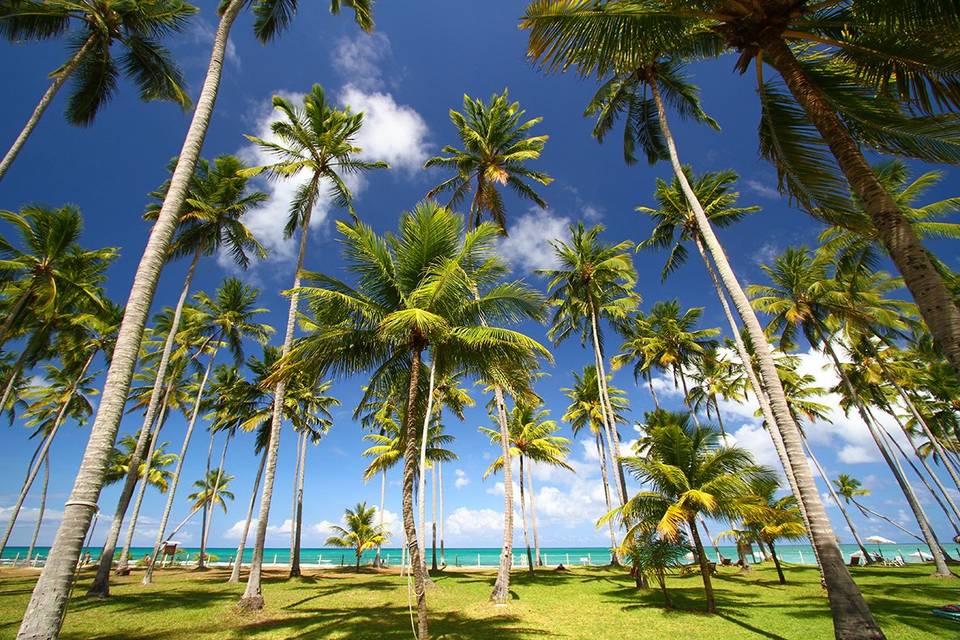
533 439
93 28
448 395
586 411
774 519
211 490
594 281
360 533
654 556
122 455
496 150
850 489
46 607
417 291
315 144
689 473
590 36
715 377
801 297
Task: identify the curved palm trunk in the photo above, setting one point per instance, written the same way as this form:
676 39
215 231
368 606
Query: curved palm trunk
776 562
175 480
122 564
653 394
716 406
851 616
206 508
686 395
925 529
58 79
501 588
533 516
41 454
870 512
293 497
383 492
216 491
409 470
43 506
611 423
704 565
13 316
15 372
433 517
101 583
252 599
933 298
45 611
606 495
421 469
298 515
235 572
523 517
843 510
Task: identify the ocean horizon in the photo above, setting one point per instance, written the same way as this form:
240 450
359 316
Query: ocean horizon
801 554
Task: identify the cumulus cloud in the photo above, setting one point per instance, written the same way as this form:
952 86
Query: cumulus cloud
527 246
359 60
391 132
763 189
469 522
462 479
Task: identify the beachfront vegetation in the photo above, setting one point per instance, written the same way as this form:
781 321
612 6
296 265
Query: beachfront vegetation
428 307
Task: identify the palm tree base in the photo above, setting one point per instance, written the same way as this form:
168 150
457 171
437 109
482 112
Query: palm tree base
250 603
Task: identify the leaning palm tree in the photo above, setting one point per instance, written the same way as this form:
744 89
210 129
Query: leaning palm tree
314 144
156 472
533 439
211 491
689 472
360 533
93 28
594 282
850 489
586 411
426 288
47 605
774 518
715 377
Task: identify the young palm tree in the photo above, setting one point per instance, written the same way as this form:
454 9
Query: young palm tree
689 472
594 281
93 28
360 533
532 439
211 490
850 489
715 377
46 607
448 395
428 287
316 144
586 411
158 476
774 518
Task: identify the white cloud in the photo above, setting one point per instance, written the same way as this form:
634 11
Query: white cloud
763 189
462 479
391 132
467 522
527 245
358 60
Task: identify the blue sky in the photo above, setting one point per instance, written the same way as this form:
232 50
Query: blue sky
406 77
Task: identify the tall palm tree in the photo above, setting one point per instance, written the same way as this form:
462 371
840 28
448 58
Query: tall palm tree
449 395
360 533
532 439
425 288
93 28
594 281
803 297
689 472
46 607
316 144
578 32
495 153
586 411
880 83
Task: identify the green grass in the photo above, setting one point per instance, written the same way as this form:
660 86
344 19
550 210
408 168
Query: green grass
584 603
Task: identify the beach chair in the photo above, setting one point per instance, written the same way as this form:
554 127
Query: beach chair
854 561
948 612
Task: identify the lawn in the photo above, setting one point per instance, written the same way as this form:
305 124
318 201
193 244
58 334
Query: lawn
590 603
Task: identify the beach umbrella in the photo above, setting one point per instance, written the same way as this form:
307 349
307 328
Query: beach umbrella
878 540
923 555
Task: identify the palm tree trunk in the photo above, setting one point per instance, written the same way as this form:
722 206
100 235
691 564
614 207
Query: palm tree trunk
175 480
933 298
205 508
843 510
704 565
716 405
297 524
45 611
235 572
533 517
925 529
433 516
851 616
43 506
252 599
611 423
12 316
422 470
216 491
686 395
523 518
122 563
58 79
443 553
101 583
501 588
409 470
614 560
15 372
776 562
383 492
653 394
293 496
870 512
41 454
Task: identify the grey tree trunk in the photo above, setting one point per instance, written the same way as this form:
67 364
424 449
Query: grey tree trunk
252 599
611 425
523 517
501 588
383 493
704 566
175 480
443 554
216 487
851 616
533 516
422 470
44 613
606 494
65 72
433 517
43 506
409 525
293 496
235 572
297 523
